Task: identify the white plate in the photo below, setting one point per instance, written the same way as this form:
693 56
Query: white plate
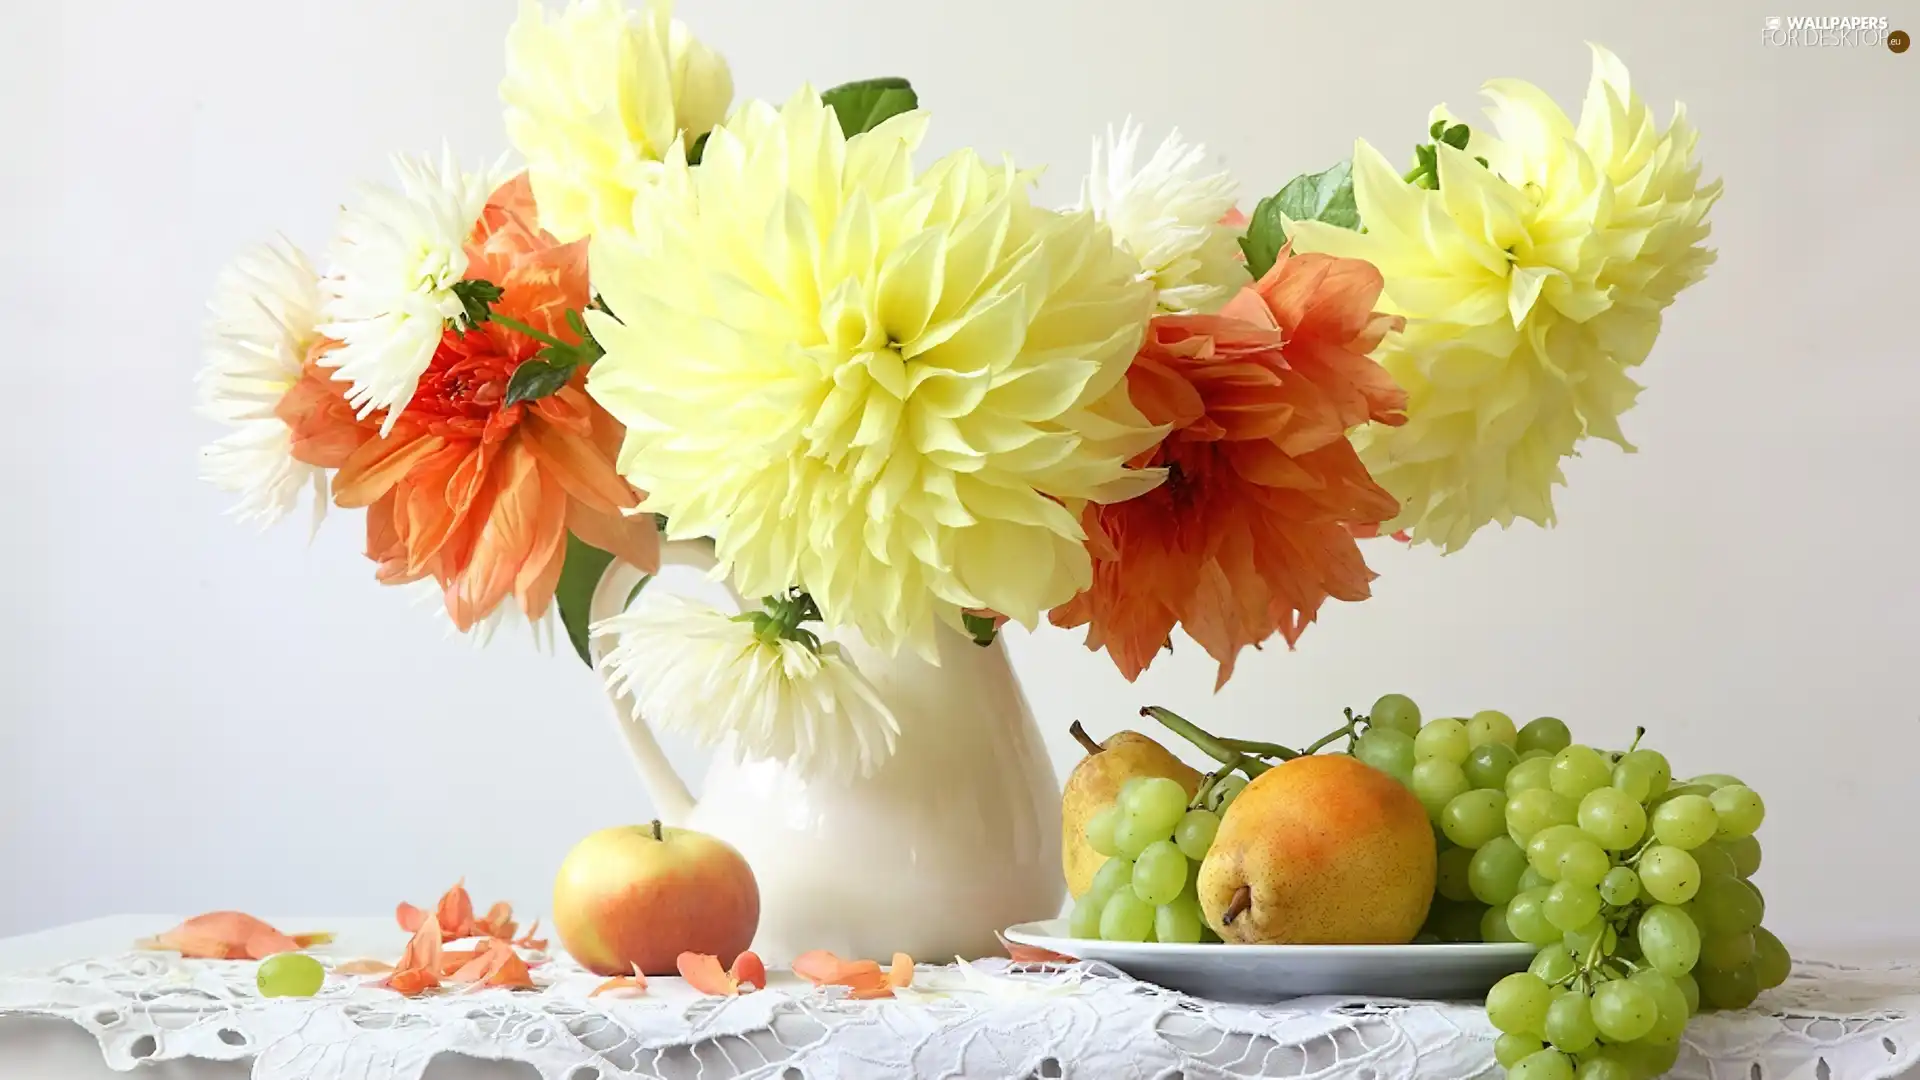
1258 973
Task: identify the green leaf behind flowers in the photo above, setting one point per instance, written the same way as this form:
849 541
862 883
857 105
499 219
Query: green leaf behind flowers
864 105
579 577
980 627
535 379
1323 196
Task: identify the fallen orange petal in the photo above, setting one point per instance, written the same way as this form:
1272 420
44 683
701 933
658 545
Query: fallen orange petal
409 917
308 941
748 970
1030 954
452 960
497 922
419 966
817 966
528 941
363 967
497 965
456 912
226 935
703 972
863 977
620 983
901 973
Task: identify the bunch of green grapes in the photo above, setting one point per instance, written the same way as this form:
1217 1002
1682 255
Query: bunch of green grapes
1154 839
1634 888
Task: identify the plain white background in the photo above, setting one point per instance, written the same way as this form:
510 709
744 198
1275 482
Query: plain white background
193 716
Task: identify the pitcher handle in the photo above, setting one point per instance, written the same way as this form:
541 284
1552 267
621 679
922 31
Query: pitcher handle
617 583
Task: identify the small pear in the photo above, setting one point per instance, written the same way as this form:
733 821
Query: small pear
1095 784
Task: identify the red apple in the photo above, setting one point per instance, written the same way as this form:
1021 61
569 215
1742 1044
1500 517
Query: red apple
641 894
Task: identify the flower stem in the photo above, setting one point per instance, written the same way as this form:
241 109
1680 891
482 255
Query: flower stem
1208 744
1080 736
519 327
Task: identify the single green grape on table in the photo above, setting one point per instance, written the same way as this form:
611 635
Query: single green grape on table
1631 884
290 975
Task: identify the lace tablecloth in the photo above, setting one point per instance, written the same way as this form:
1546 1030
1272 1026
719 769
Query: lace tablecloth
989 1019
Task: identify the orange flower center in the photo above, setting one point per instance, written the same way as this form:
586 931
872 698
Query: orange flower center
465 385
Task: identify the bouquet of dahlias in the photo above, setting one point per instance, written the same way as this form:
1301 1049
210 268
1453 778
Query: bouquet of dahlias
898 396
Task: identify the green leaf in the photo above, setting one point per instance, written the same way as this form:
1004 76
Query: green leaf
862 106
579 576
981 627
699 149
477 297
1324 196
536 378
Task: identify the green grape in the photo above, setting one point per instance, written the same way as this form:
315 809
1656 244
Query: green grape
1714 861
1740 810
1671 876
1580 942
1509 1049
1132 835
1195 833
1395 712
1724 952
1691 990
1436 782
1675 791
1127 787
1179 922
1545 1065
1734 989
1582 862
1529 755
1157 805
1192 887
1472 818
1643 774
1642 1058
1114 875
1745 853
1727 905
1605 1068
1225 791
1389 750
1544 847
1085 922
1100 831
1671 1004
1126 917
1685 822
1491 727
1613 818
1534 879
1535 809
1489 764
1569 906
1623 1011
1570 1023
1455 921
1443 740
1518 1004
1669 940
1620 887
289 974
1159 873
1527 918
1450 876
1494 873
1545 734
1717 780
1553 963
1578 770
1771 963
1493 926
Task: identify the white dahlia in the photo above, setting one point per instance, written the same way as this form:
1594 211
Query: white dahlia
261 324
1167 212
692 668
392 269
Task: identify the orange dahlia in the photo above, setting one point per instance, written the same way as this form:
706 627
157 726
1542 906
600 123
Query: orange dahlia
1254 527
466 489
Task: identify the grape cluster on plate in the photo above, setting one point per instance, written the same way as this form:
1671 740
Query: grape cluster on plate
1154 837
1633 885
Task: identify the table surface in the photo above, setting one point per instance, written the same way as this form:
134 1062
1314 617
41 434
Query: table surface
76 1002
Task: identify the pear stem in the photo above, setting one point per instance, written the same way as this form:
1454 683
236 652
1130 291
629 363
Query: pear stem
1237 906
1080 736
1208 744
656 830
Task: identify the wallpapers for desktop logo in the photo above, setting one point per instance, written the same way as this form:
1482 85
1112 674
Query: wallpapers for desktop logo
1832 31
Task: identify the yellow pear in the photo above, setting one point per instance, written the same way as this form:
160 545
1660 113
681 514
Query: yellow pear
1095 784
1320 850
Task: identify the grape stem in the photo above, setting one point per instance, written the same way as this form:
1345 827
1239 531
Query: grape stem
1207 743
1638 734
1263 749
1080 736
1349 730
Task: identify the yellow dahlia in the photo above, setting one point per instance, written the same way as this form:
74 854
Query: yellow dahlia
1529 286
596 97
893 390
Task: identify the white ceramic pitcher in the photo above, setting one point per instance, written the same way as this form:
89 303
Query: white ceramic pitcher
955 836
